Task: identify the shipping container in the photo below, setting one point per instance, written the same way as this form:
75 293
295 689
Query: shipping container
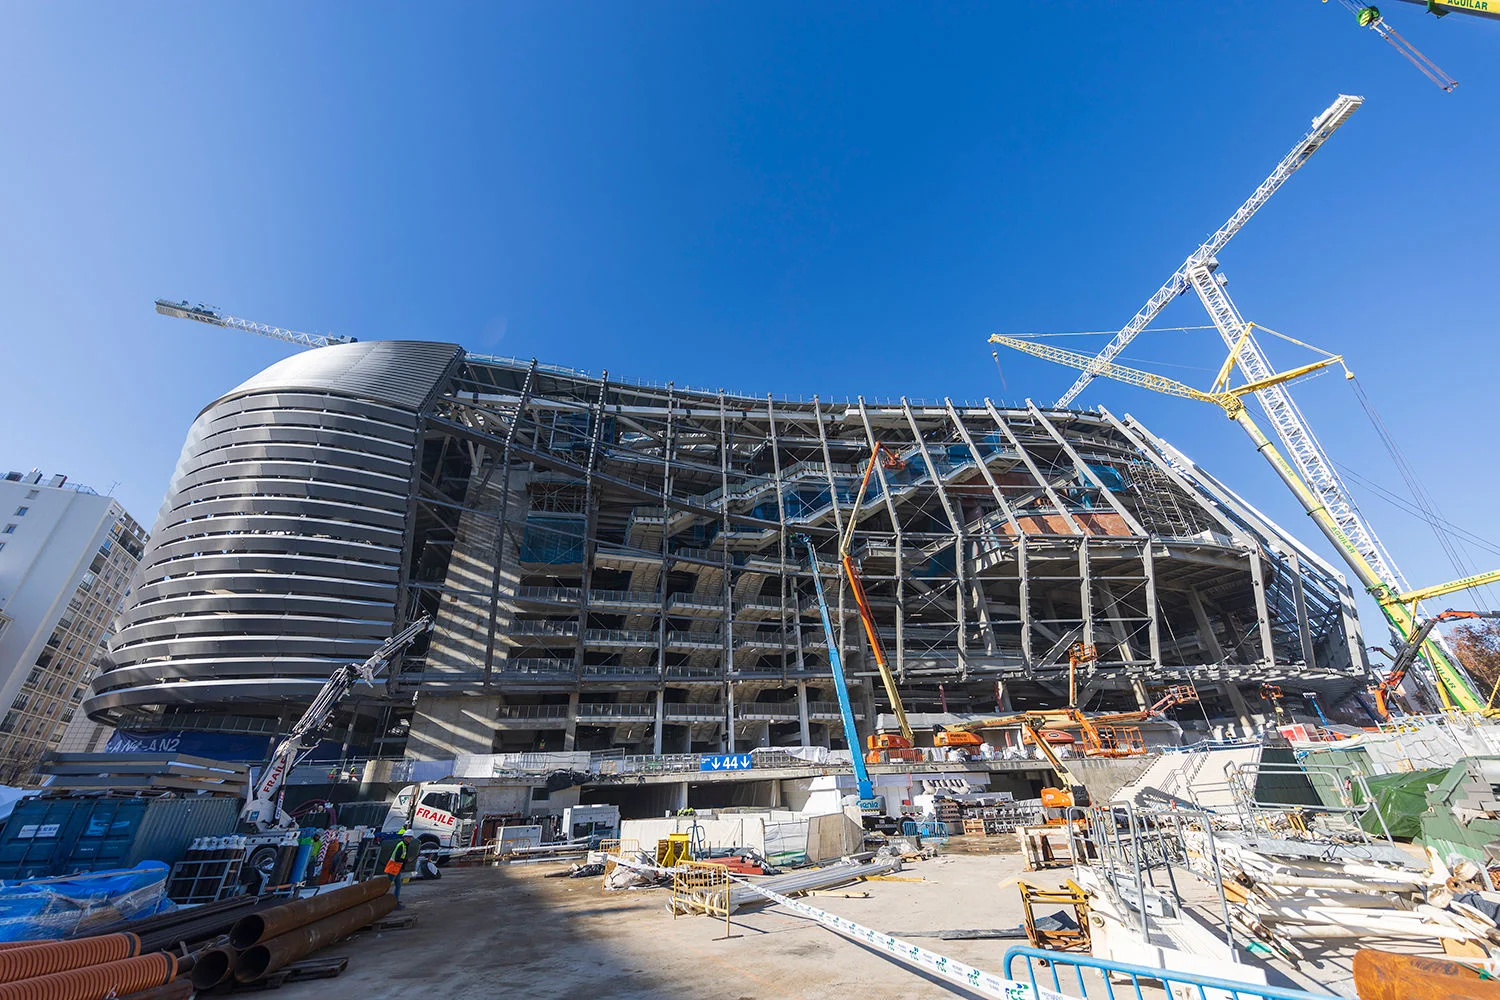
60 836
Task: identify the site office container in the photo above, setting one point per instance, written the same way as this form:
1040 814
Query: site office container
60 836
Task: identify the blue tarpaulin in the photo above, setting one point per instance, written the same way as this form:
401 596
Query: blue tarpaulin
59 907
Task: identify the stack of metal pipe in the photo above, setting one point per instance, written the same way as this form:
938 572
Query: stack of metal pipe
89 968
262 942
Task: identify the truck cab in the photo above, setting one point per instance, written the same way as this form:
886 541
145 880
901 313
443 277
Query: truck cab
441 815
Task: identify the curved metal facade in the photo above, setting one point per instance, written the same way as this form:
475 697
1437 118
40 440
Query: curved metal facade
277 553
613 564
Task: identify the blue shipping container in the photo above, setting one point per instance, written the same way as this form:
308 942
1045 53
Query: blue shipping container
50 837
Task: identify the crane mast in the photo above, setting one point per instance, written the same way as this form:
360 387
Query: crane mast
215 317
1323 126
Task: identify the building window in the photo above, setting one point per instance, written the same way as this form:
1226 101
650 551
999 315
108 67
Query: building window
2 546
10 529
33 494
21 511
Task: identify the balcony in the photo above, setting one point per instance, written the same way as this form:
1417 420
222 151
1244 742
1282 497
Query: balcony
707 712
779 712
524 713
614 712
535 668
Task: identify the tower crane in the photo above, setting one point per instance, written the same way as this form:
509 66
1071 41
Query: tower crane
1323 126
1398 606
1354 538
215 317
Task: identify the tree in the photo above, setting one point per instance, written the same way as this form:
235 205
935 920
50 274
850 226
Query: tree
1477 644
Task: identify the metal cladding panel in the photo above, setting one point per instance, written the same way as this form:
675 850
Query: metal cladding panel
405 373
171 825
282 532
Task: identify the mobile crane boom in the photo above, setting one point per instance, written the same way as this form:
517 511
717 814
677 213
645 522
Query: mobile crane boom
867 800
1032 724
1407 656
263 810
880 453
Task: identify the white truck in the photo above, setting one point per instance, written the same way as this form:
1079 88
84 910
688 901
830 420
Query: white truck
440 814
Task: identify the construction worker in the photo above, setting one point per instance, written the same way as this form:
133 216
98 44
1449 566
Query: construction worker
397 862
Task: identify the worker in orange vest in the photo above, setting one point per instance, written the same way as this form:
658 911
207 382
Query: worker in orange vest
397 862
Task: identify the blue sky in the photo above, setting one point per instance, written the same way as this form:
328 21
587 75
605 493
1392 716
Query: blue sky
833 198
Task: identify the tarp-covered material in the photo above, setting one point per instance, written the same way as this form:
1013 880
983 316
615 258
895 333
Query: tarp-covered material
1400 800
61 907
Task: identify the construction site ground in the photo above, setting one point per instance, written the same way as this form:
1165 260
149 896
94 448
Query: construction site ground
563 937
508 928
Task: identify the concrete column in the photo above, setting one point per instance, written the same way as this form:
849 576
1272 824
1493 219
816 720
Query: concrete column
1023 578
1138 688
661 697
679 796
570 734
1086 591
1262 609
1205 627
802 713
1002 697
729 718
1236 700
1304 630
1148 562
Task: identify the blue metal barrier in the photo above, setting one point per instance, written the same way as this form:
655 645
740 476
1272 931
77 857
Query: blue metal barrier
1136 973
924 828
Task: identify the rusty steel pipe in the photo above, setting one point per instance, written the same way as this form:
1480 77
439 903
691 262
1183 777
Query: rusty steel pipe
95 982
214 966
180 988
60 956
256 927
266 957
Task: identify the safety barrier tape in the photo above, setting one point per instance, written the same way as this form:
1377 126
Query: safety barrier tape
972 979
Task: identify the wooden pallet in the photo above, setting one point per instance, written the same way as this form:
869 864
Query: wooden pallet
308 968
394 922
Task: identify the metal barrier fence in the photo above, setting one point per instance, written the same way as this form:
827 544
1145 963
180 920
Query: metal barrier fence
1107 976
703 887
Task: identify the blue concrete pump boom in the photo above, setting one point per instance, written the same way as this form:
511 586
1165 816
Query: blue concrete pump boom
867 798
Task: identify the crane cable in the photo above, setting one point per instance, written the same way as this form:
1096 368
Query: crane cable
1426 507
1406 506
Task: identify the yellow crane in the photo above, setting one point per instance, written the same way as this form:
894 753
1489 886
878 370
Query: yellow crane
1399 608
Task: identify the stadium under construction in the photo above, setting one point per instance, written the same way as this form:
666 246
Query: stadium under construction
611 563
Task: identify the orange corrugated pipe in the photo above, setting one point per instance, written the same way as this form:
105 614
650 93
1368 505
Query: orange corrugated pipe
59 956
96 982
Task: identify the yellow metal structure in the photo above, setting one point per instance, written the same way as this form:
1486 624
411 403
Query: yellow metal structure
1071 894
701 887
1438 590
674 849
1452 687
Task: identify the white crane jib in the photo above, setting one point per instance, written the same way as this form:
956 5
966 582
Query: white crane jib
263 810
214 317
1323 126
